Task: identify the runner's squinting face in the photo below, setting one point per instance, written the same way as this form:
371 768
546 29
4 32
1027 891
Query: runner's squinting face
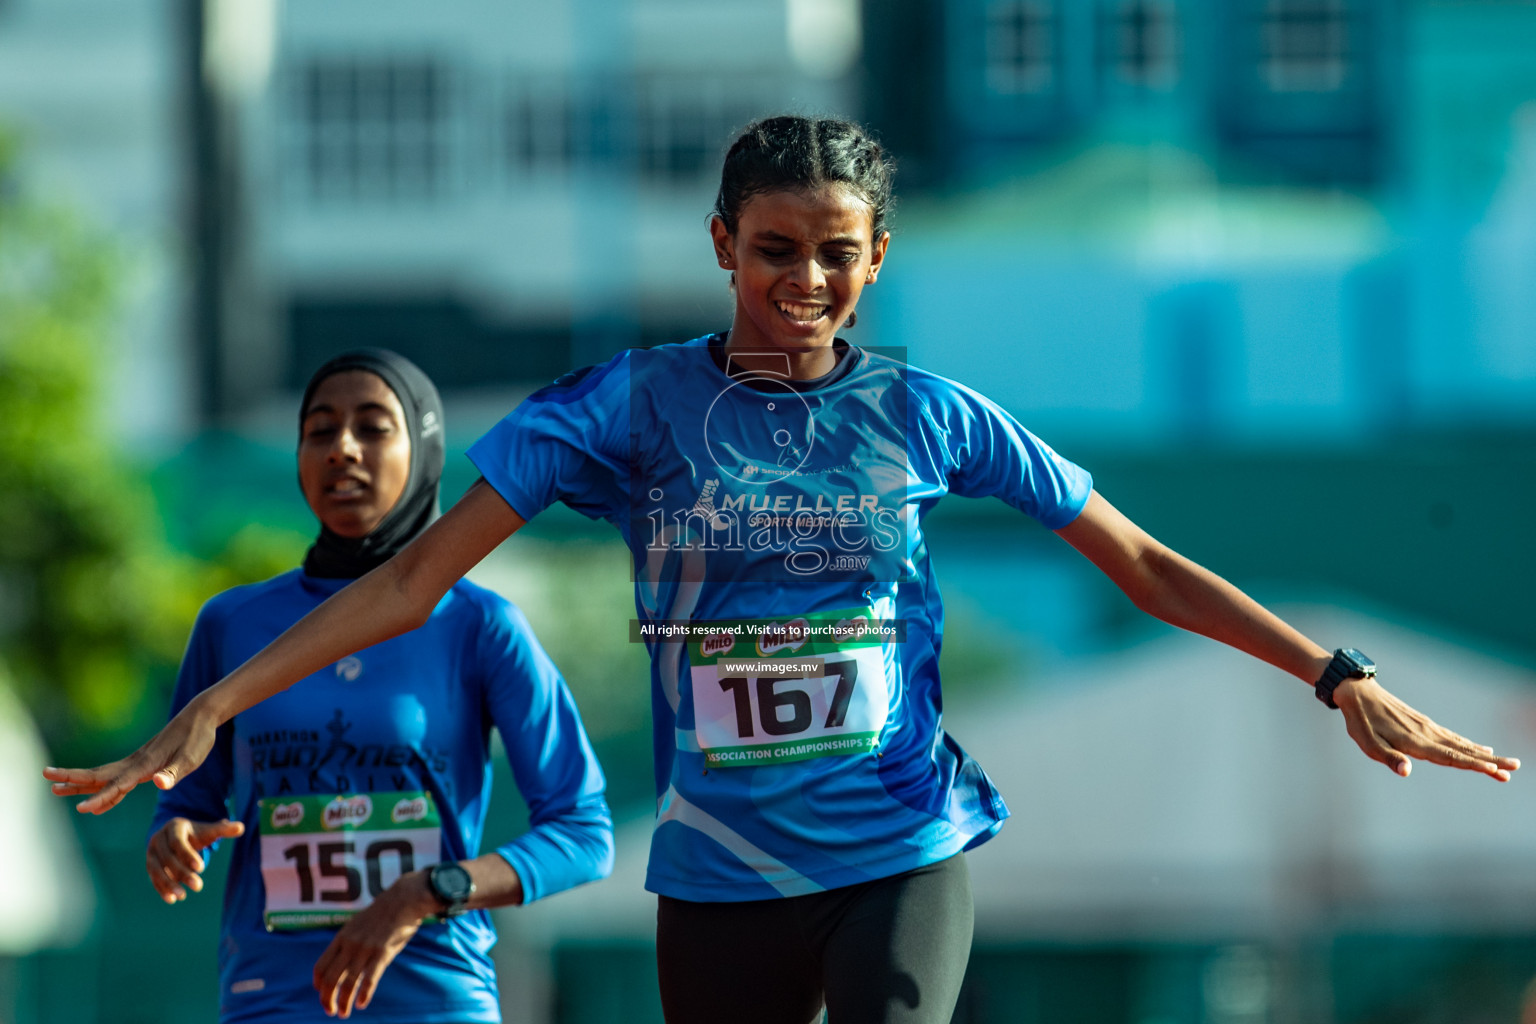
801 260
354 452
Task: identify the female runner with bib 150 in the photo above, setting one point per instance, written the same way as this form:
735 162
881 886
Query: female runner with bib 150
357 798
771 483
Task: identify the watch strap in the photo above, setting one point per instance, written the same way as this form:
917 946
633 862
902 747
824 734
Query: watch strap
1346 664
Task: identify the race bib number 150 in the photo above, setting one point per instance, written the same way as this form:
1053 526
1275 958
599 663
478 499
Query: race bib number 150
772 691
325 858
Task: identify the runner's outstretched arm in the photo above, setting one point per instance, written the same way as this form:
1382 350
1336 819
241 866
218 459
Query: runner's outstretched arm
396 597
1169 586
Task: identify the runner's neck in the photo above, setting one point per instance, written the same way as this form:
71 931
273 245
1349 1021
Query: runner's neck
763 371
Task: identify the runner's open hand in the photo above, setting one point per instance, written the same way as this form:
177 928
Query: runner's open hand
349 970
174 858
1391 732
168 758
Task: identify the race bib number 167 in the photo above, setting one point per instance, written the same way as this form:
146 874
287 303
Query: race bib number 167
773 691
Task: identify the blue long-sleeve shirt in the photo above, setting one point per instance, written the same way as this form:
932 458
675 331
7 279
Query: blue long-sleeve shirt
413 714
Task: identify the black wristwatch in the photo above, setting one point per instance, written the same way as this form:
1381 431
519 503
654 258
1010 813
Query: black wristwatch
452 886
1347 663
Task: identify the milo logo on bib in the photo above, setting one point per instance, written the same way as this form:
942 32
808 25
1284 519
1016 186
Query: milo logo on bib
347 812
287 815
814 685
717 644
782 637
413 809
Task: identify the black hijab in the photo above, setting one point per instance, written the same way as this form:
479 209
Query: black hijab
334 557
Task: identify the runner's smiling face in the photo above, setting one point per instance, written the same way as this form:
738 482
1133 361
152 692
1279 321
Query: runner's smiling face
801 259
354 452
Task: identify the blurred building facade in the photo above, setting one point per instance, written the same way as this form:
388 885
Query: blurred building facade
507 193
1298 90
1268 222
1258 221
500 194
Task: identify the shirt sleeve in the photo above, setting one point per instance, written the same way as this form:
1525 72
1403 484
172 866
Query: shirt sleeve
570 839
982 451
201 795
567 442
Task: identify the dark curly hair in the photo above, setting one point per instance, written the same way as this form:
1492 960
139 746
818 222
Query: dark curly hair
798 154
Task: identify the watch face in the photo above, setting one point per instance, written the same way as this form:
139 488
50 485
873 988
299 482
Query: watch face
1360 661
451 883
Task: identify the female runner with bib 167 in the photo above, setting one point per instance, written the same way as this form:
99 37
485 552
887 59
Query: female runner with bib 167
771 483
361 792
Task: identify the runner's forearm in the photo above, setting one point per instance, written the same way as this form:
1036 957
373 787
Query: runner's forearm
1189 596
496 885
1168 586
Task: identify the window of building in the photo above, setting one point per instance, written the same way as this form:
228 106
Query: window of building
677 142
671 130
1142 43
1021 47
685 123
373 129
685 126
540 132
1305 46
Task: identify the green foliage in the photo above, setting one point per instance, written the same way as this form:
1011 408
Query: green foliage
94 604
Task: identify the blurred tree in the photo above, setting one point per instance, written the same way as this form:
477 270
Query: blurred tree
95 605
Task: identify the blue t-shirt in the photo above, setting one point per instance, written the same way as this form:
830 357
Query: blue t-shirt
411 715
766 518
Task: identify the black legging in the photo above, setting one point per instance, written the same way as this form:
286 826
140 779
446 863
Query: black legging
891 951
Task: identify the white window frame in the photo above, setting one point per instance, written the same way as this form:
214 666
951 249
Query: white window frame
374 138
